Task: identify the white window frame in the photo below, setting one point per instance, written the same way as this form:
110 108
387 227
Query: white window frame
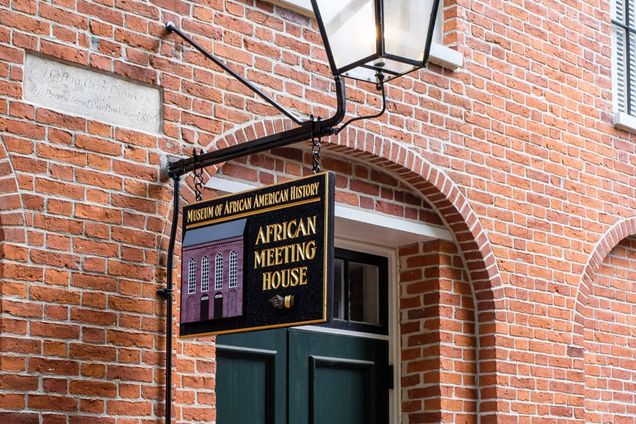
622 119
393 312
440 54
192 276
218 271
205 274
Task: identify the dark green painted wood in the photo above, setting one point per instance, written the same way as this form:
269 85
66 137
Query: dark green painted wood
340 392
318 378
252 378
242 402
319 363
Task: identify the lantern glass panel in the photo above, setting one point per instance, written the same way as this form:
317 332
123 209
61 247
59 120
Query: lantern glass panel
406 25
394 68
391 69
350 28
361 73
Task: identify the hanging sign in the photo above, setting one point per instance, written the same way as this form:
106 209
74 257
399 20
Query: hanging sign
258 259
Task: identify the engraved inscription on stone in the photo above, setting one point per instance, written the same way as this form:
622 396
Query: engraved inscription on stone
82 92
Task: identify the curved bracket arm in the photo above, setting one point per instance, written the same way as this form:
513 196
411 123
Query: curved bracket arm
375 115
172 28
302 133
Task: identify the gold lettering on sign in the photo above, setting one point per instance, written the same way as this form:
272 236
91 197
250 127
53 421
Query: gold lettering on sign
290 277
286 230
200 214
238 205
307 190
269 199
286 254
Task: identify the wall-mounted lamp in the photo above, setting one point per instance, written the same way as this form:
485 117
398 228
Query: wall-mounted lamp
368 38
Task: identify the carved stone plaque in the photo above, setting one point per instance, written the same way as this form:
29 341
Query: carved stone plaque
83 92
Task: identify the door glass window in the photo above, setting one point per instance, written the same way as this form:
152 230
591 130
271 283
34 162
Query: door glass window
364 294
360 292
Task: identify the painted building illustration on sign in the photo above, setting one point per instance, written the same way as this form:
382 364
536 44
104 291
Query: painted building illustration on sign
212 272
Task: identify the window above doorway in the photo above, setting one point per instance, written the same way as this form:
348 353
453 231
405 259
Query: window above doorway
360 301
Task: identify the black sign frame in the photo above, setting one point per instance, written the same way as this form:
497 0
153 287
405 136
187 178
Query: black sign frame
287 233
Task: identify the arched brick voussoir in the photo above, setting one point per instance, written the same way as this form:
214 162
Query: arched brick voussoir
12 213
12 218
443 194
618 232
242 134
440 191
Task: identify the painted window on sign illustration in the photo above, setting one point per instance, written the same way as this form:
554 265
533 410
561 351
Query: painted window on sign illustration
205 274
218 272
192 276
624 55
233 265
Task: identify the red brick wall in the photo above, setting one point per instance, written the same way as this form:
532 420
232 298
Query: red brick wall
357 183
437 334
515 151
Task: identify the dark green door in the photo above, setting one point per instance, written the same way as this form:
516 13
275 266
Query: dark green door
337 379
251 378
301 376
324 379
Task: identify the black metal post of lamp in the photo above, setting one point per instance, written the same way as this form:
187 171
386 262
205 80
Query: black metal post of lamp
368 40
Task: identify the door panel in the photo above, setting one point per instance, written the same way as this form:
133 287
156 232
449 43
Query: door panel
252 378
337 379
341 390
315 378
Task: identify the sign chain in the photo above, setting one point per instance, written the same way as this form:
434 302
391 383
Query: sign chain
198 177
315 146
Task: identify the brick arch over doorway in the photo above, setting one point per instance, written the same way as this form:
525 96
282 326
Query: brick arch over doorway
432 183
443 195
612 237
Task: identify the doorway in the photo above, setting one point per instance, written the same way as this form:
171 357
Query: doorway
333 374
